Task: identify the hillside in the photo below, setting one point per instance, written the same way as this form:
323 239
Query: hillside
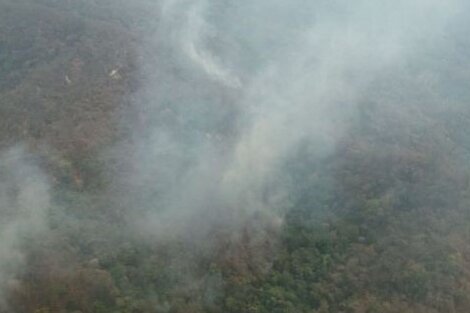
375 220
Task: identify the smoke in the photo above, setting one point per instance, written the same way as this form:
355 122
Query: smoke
233 89
24 201
230 91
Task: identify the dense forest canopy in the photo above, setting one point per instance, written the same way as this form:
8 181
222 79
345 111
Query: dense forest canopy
172 156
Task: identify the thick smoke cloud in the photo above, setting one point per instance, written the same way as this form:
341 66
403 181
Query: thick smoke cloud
232 89
24 201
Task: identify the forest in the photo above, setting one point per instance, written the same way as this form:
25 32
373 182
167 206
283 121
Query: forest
162 156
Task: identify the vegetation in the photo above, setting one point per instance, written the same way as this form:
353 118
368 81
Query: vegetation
379 225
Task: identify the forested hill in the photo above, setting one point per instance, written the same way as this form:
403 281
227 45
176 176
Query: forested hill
378 224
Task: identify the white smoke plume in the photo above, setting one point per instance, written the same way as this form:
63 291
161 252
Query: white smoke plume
24 201
234 88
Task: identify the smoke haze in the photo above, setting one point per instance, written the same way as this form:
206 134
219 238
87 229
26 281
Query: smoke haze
210 121
232 90
24 194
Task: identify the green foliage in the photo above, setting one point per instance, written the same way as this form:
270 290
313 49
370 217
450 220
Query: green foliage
379 226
